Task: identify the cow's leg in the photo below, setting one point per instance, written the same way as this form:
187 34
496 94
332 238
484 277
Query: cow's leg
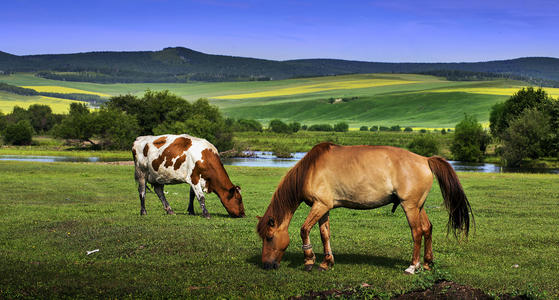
142 192
191 202
158 188
202 199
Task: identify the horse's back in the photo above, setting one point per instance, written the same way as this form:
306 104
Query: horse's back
367 176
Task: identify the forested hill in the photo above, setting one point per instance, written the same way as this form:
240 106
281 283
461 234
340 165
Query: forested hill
182 64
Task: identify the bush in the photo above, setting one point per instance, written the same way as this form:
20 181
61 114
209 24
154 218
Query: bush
383 128
470 140
245 125
279 126
20 133
304 127
294 126
396 128
321 127
526 137
341 127
363 128
374 128
281 150
443 131
426 145
408 129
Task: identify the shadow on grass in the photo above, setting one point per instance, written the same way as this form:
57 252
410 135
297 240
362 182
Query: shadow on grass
294 260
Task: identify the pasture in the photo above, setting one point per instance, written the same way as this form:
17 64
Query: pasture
53 213
382 99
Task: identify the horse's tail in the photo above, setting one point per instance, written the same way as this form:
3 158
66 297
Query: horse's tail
455 200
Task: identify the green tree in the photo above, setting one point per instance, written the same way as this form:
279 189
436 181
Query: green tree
425 144
278 126
79 124
363 128
526 137
502 114
294 126
341 127
115 128
20 133
470 140
41 117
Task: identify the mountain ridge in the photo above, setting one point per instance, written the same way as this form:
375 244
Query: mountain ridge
180 64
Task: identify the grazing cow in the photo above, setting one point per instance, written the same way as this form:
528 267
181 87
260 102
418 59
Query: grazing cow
173 159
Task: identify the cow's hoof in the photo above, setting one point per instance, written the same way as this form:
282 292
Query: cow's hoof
143 212
207 216
170 212
191 213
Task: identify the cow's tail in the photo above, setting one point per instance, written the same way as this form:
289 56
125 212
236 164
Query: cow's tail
455 199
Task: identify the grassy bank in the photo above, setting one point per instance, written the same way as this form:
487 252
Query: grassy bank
52 213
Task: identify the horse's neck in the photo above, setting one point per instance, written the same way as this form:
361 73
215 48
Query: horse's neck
286 214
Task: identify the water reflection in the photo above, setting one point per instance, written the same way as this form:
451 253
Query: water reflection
268 159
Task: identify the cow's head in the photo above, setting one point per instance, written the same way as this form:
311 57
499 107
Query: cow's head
234 202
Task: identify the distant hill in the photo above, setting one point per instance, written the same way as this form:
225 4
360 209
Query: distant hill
181 64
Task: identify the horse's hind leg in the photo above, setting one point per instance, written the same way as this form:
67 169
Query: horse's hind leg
158 188
427 228
191 202
412 214
318 210
324 223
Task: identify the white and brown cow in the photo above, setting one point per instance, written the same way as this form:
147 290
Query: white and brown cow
173 159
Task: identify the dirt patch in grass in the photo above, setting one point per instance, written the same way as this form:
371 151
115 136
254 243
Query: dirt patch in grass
439 291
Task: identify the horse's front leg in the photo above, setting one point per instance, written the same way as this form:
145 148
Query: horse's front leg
324 223
199 192
317 211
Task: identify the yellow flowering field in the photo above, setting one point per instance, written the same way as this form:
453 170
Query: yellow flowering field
312 88
56 104
61 89
554 92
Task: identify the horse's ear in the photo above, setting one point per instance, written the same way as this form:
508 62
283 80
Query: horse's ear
271 222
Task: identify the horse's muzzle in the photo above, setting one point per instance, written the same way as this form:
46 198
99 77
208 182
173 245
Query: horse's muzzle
270 265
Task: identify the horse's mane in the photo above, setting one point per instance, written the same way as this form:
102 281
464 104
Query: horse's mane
289 192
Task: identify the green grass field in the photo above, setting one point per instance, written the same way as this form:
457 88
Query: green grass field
381 99
52 213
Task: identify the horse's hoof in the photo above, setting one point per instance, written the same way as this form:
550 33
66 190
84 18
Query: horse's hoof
320 268
426 267
308 268
412 269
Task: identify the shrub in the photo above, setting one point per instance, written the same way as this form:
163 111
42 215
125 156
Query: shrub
423 130
294 126
408 129
374 128
278 126
20 133
470 140
396 128
526 137
321 127
383 128
281 150
341 127
304 127
443 131
246 125
425 144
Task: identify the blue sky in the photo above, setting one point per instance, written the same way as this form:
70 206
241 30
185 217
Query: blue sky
389 31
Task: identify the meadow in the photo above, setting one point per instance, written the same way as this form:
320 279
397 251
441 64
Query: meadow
372 99
52 213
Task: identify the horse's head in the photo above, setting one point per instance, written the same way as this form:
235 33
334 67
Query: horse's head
275 239
234 203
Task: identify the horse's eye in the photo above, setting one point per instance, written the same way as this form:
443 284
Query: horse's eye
269 238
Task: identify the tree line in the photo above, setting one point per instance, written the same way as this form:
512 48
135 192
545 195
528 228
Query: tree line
93 99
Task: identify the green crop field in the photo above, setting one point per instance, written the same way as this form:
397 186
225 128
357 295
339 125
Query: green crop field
52 213
372 99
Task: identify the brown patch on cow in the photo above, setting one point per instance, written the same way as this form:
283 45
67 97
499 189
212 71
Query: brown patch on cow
146 149
179 161
160 142
179 146
208 168
134 154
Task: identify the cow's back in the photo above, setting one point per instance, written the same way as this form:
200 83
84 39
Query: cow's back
168 159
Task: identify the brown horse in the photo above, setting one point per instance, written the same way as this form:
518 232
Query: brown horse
359 177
